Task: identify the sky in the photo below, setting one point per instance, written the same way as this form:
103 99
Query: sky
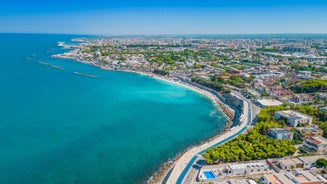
120 17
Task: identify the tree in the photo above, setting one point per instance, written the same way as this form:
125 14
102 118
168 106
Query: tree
321 162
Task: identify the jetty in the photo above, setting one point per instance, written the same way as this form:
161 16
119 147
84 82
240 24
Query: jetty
85 75
50 65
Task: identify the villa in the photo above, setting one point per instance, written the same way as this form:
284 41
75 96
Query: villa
293 118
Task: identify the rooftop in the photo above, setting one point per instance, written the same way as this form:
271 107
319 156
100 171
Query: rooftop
318 140
270 102
280 130
293 114
289 178
247 165
311 159
308 129
287 162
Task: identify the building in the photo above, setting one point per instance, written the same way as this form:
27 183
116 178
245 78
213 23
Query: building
280 134
310 161
316 144
293 118
305 177
305 73
295 49
237 181
309 131
247 168
302 98
226 171
280 93
269 102
321 96
306 162
289 164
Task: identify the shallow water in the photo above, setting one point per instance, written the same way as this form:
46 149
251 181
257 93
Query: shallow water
58 127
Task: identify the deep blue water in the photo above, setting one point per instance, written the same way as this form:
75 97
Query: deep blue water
58 127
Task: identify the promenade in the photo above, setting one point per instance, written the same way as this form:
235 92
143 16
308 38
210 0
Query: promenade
185 162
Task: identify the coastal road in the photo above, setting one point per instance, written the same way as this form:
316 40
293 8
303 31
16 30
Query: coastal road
186 161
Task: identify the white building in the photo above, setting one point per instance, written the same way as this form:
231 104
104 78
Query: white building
293 118
247 168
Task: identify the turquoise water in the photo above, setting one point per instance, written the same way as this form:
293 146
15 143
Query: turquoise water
58 127
209 174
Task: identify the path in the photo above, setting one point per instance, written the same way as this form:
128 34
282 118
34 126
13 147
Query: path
185 162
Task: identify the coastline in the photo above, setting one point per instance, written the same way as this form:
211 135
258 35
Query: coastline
166 167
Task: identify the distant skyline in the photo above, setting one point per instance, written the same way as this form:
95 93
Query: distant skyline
164 17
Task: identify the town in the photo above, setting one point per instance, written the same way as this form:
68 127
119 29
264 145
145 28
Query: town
283 76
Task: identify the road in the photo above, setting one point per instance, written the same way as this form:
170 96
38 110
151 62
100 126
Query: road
184 164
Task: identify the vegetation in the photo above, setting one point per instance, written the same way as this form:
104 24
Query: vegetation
321 162
311 86
252 146
255 144
207 83
161 72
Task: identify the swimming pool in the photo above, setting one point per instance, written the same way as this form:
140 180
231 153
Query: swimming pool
209 174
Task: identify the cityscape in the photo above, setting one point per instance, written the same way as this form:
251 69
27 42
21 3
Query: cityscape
276 82
163 92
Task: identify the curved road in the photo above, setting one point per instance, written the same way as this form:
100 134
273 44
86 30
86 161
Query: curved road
184 164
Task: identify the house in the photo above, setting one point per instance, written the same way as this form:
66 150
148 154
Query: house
309 131
305 73
280 134
306 162
247 168
233 170
305 177
302 98
281 93
316 144
310 161
293 118
289 164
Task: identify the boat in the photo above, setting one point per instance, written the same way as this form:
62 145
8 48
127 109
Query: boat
85 74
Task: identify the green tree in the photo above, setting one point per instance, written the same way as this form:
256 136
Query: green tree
321 162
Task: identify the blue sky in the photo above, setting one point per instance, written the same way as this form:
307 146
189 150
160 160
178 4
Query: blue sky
164 16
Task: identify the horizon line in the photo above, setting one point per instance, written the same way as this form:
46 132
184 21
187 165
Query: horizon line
165 34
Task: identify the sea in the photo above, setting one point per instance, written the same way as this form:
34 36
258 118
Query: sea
59 127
